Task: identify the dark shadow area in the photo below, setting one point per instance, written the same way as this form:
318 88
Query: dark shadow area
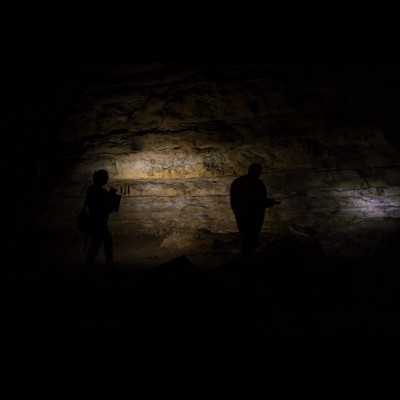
291 288
288 290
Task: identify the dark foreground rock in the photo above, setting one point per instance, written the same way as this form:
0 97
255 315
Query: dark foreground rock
279 292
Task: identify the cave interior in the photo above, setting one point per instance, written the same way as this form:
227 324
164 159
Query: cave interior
173 137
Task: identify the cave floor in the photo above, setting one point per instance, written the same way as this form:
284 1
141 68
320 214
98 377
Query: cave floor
267 295
148 253
286 290
131 253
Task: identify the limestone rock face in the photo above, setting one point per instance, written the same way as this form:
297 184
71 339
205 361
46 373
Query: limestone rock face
173 138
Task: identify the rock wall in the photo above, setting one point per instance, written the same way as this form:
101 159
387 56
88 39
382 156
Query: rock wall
174 137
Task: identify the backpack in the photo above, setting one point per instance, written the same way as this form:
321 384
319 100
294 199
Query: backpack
84 226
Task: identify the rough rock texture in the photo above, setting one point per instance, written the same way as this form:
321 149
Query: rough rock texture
173 137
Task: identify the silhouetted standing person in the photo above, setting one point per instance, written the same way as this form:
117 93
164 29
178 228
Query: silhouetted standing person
99 203
248 197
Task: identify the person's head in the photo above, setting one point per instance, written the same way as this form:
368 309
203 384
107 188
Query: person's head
100 177
255 170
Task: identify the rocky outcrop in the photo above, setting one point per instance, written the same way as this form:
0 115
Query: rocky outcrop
174 137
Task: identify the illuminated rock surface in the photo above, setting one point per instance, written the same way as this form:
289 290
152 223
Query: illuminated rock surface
173 137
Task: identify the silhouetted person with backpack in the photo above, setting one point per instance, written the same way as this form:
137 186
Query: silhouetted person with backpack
248 198
100 205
